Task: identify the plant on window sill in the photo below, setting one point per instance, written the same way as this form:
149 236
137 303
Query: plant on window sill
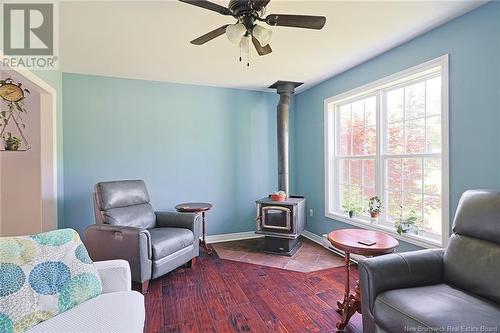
374 207
352 209
406 224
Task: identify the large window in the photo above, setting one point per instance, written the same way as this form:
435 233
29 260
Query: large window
389 139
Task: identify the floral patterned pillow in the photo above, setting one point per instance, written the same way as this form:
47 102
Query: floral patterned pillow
43 275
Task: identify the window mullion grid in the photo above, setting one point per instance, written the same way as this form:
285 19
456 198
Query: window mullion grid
381 143
423 191
425 150
401 188
362 182
425 117
351 129
414 155
362 159
337 184
404 120
336 160
401 179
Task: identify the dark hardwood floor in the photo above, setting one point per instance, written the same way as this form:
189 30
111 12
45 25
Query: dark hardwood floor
220 295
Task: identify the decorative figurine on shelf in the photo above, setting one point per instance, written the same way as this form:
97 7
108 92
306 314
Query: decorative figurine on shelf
374 207
13 94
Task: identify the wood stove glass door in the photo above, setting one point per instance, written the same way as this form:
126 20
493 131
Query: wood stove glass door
276 218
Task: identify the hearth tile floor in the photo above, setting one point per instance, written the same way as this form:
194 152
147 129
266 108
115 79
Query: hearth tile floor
311 257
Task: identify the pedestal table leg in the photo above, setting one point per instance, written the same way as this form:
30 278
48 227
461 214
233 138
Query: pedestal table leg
203 243
351 303
347 268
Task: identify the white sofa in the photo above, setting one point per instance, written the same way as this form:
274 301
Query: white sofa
118 309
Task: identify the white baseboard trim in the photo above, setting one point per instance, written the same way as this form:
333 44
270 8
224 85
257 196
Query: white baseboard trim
312 236
325 243
232 237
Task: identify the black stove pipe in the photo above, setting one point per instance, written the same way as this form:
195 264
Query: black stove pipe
285 89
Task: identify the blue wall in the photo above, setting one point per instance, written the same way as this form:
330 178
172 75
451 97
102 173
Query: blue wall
473 44
189 143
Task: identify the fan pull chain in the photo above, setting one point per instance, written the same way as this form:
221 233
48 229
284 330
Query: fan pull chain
240 52
248 54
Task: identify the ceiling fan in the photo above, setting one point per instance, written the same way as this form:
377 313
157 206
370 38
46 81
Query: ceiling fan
248 13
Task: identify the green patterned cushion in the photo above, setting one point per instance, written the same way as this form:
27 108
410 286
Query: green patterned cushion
42 276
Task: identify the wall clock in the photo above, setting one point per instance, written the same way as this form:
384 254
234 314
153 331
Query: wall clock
11 92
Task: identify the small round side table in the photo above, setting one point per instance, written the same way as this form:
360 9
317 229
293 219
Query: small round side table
197 207
348 240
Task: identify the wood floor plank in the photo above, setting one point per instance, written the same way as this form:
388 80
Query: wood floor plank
154 319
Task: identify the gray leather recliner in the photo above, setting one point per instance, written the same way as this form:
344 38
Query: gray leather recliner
127 227
456 289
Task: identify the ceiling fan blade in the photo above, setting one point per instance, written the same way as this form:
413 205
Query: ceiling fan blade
210 35
209 5
261 50
258 4
297 21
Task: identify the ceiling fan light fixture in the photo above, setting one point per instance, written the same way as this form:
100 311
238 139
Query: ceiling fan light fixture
245 45
235 32
262 34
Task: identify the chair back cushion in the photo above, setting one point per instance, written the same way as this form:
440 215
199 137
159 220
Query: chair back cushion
473 265
478 215
125 203
43 275
122 193
139 216
472 257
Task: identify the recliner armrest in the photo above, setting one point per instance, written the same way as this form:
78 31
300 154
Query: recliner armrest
396 271
109 242
177 220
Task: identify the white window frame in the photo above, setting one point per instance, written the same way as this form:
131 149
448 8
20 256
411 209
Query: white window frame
378 88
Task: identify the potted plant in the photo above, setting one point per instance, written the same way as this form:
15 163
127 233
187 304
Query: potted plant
406 223
375 206
351 208
11 142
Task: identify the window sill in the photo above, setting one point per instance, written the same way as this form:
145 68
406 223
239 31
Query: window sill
409 238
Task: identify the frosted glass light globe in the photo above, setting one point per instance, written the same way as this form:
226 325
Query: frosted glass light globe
245 45
234 32
263 35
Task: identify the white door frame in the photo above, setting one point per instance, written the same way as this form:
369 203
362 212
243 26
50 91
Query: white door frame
48 163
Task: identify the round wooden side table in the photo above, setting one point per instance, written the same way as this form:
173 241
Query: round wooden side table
197 207
348 240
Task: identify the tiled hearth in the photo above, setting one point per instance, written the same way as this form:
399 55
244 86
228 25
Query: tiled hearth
311 257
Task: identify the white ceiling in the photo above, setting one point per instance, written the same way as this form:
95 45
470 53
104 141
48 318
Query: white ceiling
150 40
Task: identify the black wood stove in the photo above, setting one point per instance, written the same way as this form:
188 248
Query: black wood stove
281 222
